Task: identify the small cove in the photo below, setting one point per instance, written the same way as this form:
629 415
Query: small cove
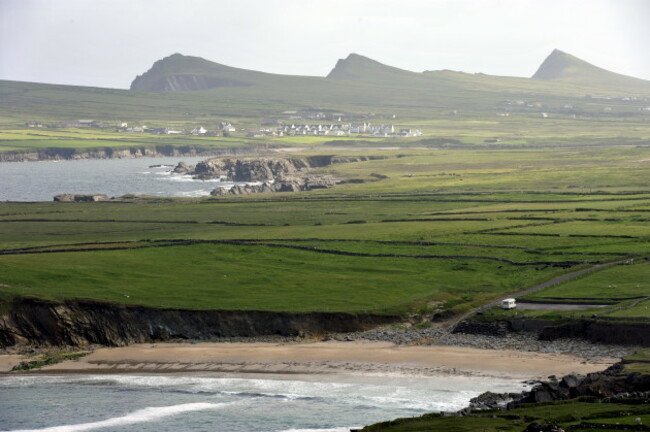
40 181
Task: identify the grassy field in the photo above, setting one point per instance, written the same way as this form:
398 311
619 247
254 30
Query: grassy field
434 236
613 284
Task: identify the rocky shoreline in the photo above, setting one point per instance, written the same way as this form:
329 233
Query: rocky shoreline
268 174
607 386
518 341
31 322
64 153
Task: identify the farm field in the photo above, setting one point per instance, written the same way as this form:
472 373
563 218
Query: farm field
411 240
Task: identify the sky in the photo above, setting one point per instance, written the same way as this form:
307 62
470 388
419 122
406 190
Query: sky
106 43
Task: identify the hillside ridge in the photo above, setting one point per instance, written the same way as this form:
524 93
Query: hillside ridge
178 72
562 66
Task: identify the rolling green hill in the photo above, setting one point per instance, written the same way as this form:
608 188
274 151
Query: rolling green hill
190 88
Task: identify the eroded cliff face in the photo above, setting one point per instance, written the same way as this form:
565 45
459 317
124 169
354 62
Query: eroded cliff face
78 323
259 169
249 169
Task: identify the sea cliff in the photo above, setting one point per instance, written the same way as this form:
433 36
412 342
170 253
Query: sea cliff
27 321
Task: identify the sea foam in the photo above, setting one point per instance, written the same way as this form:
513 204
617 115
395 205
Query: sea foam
145 415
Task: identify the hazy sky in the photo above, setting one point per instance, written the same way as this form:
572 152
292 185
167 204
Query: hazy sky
106 43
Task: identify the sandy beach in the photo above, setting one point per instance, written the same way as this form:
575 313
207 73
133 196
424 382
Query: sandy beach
370 358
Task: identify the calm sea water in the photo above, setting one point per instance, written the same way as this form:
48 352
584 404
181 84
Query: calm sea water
40 181
163 403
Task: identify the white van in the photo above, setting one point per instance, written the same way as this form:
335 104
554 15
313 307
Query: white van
508 303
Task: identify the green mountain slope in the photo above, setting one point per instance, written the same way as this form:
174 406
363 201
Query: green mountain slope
185 73
184 88
359 68
560 66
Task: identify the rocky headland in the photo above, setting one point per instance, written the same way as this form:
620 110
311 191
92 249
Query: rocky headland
268 174
609 385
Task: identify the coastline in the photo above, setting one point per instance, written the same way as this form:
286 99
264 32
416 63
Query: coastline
332 357
124 152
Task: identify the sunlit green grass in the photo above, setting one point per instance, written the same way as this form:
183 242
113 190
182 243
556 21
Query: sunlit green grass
254 278
418 203
625 281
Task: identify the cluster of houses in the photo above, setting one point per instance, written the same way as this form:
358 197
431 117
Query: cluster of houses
336 129
331 115
222 129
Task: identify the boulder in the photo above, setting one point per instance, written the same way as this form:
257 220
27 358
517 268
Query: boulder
183 168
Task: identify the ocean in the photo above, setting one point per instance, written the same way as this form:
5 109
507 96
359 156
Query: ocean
222 403
40 181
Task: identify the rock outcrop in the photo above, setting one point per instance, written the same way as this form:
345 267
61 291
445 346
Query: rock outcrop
80 197
248 169
610 383
36 322
283 184
183 168
272 174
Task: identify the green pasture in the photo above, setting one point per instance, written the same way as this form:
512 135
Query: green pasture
619 282
412 237
642 309
590 228
257 277
464 266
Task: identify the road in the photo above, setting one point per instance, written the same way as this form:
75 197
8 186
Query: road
451 325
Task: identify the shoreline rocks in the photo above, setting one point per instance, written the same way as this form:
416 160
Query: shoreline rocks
81 197
248 169
132 152
606 386
266 174
518 341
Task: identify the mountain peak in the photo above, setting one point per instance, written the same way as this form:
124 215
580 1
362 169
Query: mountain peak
352 65
179 72
561 66
557 64
361 68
